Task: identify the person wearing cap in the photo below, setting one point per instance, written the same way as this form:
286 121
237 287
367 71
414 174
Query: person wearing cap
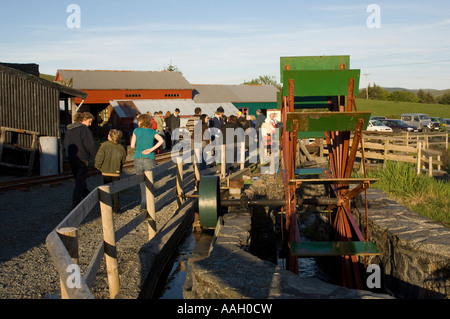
217 121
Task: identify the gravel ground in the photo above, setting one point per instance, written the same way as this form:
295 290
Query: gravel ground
28 216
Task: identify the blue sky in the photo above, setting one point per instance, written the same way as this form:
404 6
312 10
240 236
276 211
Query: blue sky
228 42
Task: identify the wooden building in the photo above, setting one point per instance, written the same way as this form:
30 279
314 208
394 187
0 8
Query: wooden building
103 86
29 109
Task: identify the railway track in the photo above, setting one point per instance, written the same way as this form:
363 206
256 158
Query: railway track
27 182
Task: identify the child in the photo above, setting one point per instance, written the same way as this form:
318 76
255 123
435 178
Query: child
110 159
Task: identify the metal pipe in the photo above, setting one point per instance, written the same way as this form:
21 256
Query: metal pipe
279 202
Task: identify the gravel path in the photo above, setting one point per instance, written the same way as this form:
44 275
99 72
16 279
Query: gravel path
28 216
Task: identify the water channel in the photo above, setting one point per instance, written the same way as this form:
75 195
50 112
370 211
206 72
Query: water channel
173 279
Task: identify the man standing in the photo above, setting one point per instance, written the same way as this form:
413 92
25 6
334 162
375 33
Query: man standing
172 123
80 147
192 121
260 119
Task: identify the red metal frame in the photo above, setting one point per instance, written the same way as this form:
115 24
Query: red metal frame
341 164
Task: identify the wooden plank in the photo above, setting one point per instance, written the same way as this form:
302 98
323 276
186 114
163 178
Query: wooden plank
77 215
338 248
334 180
62 260
326 121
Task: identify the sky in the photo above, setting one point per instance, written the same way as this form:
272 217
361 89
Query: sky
394 43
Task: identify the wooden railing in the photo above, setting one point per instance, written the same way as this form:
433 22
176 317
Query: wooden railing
62 242
410 148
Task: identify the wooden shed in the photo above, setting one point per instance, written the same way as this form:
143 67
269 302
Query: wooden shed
29 109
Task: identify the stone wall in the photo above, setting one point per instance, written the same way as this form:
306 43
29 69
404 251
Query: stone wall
415 251
414 260
229 271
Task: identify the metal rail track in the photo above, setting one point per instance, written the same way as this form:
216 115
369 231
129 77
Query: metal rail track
38 180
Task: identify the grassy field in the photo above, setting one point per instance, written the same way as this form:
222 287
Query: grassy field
421 194
395 109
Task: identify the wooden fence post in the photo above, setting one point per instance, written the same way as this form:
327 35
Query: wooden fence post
150 198
197 175
419 157
179 178
386 152
242 154
109 239
223 164
446 140
430 165
69 237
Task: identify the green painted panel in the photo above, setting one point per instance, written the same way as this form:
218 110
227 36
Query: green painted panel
310 134
338 248
320 62
309 171
331 62
320 82
326 121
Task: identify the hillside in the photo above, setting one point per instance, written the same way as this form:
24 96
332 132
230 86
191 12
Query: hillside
394 110
47 77
433 92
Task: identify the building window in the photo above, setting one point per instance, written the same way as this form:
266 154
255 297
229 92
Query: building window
172 95
133 95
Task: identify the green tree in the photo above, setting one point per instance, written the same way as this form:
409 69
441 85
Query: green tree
264 80
403 96
378 93
172 68
425 97
445 99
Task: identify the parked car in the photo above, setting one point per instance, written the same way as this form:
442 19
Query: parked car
399 126
421 121
442 123
377 126
377 118
448 124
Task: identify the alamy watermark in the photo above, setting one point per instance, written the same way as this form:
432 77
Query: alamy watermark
73 21
74 278
374 19
374 279
238 144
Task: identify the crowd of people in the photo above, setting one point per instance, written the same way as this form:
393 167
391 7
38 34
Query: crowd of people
151 135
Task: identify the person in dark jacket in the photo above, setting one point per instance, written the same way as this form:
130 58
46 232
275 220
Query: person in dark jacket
230 140
260 120
172 123
80 147
109 160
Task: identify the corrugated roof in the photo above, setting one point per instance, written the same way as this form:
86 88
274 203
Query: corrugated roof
187 107
205 93
61 88
125 80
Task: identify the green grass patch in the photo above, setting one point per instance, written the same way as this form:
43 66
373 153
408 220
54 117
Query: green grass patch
393 110
421 194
